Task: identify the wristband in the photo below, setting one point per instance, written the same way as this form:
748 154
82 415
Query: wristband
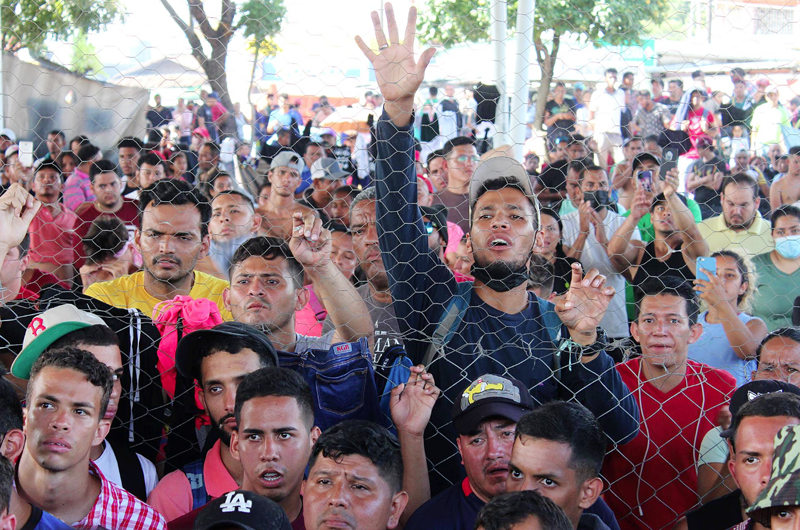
599 345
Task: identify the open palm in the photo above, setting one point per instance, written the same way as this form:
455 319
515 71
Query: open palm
399 75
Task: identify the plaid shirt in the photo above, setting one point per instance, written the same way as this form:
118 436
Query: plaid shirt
116 509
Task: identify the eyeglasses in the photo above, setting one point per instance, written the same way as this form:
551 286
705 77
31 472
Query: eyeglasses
463 159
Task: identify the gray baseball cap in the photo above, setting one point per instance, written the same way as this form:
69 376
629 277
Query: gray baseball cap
501 167
328 169
288 159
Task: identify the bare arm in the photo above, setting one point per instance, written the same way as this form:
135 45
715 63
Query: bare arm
311 247
624 252
775 196
411 405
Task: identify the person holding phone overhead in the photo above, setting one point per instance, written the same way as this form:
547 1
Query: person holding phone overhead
677 242
726 282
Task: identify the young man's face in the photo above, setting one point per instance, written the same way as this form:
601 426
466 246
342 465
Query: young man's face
111 357
232 217
62 419
365 241
349 492
751 464
273 442
263 293
222 183
313 153
779 361
206 158
47 185
284 181
339 208
342 253
664 331
502 228
461 163
544 466
108 189
128 160
148 175
170 241
485 455
222 373
633 148
55 143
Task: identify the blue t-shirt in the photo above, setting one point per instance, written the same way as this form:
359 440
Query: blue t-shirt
41 520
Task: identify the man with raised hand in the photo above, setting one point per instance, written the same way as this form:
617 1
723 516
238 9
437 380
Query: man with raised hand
500 329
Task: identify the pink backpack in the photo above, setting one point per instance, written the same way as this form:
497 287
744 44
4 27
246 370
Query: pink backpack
174 319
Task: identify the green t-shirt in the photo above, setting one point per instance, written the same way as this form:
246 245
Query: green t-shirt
646 225
774 300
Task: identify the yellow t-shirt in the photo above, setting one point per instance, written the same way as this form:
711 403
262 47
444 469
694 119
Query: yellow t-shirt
128 292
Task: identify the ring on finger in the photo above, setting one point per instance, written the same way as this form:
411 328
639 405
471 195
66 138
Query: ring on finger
383 47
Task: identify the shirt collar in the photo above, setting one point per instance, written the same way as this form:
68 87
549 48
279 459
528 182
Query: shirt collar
217 477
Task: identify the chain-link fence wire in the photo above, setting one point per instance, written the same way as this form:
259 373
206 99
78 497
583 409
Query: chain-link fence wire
706 87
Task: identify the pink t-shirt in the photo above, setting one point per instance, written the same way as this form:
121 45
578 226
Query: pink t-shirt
53 240
172 497
696 118
78 190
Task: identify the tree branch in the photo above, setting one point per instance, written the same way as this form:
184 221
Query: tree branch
199 14
194 41
226 19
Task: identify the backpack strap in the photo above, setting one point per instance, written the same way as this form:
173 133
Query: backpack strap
448 325
131 472
194 474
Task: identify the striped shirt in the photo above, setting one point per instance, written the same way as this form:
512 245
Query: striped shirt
116 509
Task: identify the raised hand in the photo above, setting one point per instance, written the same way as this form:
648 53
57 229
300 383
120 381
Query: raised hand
310 243
582 307
399 75
641 204
411 403
17 210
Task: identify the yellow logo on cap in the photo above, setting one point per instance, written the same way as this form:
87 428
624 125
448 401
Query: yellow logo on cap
478 387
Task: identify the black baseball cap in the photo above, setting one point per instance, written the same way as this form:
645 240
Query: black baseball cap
191 348
750 391
490 396
639 159
658 199
242 509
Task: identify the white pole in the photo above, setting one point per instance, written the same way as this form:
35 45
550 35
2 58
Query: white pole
498 35
2 86
519 99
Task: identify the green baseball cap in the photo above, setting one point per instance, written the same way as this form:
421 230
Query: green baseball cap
47 328
783 488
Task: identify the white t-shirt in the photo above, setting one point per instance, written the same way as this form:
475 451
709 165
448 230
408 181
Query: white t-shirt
108 465
608 110
713 449
594 256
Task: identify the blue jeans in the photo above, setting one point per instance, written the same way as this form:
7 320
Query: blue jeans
342 381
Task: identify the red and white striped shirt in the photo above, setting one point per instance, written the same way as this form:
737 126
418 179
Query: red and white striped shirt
116 509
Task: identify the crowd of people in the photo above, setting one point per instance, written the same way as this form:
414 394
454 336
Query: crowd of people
600 336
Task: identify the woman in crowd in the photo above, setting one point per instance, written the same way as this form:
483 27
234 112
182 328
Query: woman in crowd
67 161
730 335
553 250
779 271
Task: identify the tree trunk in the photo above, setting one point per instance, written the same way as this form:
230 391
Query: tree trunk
547 62
214 67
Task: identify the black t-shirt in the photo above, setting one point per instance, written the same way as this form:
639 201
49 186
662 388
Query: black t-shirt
560 127
708 198
719 514
562 273
652 267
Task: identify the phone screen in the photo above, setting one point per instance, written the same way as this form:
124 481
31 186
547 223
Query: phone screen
26 154
646 180
709 264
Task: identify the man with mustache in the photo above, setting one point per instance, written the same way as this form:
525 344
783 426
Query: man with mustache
172 237
501 327
218 359
740 227
66 326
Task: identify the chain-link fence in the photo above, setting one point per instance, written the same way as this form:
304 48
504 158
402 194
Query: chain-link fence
659 138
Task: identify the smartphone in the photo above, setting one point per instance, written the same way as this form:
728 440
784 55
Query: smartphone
709 264
670 162
26 154
646 180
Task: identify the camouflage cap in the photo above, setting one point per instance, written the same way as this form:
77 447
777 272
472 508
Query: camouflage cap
783 488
